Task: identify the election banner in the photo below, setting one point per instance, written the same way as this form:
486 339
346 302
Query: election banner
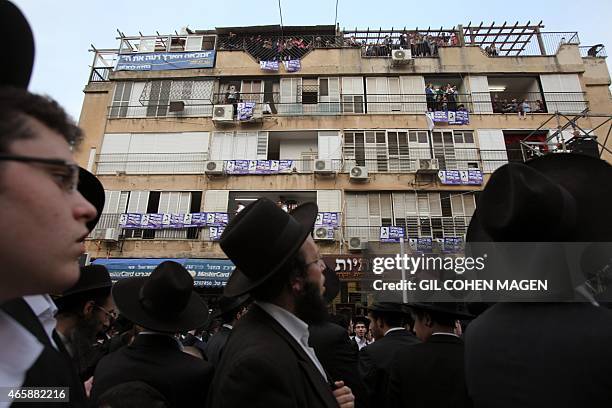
460 177
163 61
258 166
328 219
172 221
245 110
215 233
268 66
450 117
292 65
391 234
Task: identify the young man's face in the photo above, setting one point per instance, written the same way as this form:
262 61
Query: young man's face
43 222
360 329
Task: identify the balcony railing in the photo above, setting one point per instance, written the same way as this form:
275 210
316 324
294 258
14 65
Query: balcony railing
596 51
278 48
414 227
151 163
111 220
530 102
392 159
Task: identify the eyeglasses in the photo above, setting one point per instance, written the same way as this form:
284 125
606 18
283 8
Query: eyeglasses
318 261
68 180
112 314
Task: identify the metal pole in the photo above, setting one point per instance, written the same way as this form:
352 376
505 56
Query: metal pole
402 253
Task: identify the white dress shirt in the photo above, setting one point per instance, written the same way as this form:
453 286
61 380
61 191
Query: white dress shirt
296 328
361 341
18 351
44 308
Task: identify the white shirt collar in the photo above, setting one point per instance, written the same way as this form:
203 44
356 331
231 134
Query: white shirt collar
445 334
394 329
296 327
44 308
229 326
20 350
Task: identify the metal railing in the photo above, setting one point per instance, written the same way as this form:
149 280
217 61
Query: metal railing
151 163
222 98
596 51
100 74
521 44
278 48
111 220
190 108
530 102
414 227
418 50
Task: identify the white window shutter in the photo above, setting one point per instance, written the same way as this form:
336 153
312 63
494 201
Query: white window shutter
329 145
216 200
193 43
138 202
493 151
329 200
262 145
481 98
563 93
413 93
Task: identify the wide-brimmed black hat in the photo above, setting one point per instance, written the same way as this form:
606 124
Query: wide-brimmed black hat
388 307
92 277
229 305
452 309
549 199
260 240
332 284
16 70
92 190
164 301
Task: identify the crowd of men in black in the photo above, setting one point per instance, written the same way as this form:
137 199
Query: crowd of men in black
419 44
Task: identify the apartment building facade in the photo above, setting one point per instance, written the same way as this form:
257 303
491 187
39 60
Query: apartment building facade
184 130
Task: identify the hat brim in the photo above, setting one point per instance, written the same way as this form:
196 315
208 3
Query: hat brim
590 186
18 70
332 284
92 190
239 284
126 295
436 308
236 304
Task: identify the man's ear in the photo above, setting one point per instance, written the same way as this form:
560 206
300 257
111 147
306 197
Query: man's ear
88 308
427 320
297 284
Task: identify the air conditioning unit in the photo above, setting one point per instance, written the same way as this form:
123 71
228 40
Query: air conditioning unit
428 166
176 106
323 234
355 244
110 234
223 113
359 173
323 166
214 167
401 56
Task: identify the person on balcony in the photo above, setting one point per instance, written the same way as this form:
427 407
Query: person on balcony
524 109
429 96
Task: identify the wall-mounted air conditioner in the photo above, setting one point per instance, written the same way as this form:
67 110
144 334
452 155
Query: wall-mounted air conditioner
356 244
401 56
214 167
223 113
359 173
323 234
323 166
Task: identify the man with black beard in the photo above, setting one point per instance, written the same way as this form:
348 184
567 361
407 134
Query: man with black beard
267 361
84 311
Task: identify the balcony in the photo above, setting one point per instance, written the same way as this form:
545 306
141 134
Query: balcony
111 221
537 102
414 227
151 163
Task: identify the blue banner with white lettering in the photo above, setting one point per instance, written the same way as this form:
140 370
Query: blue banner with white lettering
258 166
328 219
163 61
269 66
205 272
245 110
458 177
450 117
391 234
292 65
167 220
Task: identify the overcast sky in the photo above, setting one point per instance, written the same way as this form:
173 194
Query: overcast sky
64 29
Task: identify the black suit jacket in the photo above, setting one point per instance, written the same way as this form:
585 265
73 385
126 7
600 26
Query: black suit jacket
158 361
262 366
429 375
537 355
338 355
215 345
375 362
52 368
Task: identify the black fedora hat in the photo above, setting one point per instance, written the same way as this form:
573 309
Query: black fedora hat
164 301
452 309
92 190
229 305
92 277
19 48
260 240
332 284
548 199
388 307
